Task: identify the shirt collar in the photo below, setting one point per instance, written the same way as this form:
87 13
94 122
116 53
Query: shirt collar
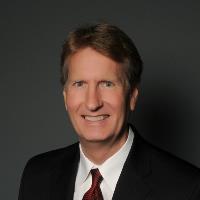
85 166
111 168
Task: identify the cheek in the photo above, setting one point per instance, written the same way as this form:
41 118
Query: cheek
116 100
73 100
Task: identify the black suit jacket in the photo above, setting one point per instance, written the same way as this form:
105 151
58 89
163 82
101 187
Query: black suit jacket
148 174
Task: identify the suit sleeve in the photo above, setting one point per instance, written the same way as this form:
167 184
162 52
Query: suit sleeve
20 197
21 189
196 193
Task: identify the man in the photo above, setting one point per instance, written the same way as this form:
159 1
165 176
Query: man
100 73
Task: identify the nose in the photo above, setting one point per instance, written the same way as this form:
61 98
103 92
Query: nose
93 98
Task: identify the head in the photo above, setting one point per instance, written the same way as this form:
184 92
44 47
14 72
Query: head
109 41
100 72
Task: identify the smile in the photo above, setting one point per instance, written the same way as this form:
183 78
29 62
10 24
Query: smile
95 118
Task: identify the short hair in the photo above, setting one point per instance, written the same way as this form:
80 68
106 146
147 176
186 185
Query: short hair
108 40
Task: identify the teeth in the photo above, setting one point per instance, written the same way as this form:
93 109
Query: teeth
95 118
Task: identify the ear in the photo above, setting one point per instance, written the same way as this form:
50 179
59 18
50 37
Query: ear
133 98
65 98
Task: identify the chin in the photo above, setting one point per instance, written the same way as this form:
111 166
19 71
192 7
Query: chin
95 137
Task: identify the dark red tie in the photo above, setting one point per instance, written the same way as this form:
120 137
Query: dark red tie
94 193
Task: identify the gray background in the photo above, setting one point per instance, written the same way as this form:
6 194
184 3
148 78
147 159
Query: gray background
32 114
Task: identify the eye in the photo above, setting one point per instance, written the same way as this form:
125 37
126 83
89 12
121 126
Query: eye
78 83
107 84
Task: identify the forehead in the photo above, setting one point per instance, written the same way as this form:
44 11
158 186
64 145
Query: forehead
89 63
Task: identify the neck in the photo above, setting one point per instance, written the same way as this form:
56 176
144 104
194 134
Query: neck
98 152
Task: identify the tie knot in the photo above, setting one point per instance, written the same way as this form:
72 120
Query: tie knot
96 176
94 193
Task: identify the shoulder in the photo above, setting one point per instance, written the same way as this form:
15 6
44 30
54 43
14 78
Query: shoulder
45 163
163 161
172 175
41 171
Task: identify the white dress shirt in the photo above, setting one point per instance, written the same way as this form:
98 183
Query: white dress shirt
110 170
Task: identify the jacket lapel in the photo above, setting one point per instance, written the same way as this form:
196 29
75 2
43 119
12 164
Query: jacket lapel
132 181
65 175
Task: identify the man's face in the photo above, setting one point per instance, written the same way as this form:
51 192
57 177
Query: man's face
95 97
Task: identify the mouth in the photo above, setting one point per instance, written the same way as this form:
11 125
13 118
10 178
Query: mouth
95 118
